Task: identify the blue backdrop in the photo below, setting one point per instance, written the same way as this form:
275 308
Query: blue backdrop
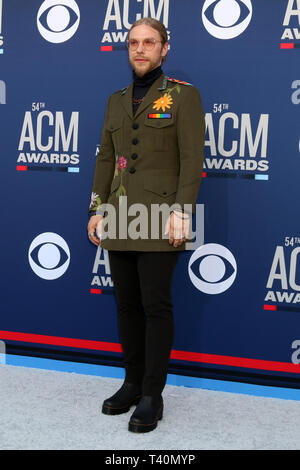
237 296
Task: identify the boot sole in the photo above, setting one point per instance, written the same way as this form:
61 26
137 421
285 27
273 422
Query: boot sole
110 410
140 427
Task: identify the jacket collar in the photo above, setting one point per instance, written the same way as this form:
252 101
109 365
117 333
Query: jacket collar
153 93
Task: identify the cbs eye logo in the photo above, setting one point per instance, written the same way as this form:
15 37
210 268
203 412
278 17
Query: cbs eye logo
58 20
226 19
49 256
215 261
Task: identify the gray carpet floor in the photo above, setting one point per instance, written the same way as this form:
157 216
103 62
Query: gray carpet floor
49 410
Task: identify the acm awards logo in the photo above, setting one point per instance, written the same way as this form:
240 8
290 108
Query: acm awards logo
121 14
49 139
226 19
58 20
283 283
1 34
291 24
236 144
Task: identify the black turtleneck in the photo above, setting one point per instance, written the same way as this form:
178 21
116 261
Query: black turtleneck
141 86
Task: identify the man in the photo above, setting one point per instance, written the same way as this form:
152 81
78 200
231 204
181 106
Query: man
151 153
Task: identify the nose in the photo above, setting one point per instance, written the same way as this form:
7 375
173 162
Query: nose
140 47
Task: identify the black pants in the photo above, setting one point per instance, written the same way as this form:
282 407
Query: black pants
142 282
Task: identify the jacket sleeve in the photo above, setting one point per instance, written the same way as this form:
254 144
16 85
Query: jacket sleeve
191 135
104 169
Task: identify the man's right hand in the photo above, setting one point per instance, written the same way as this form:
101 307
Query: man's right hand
91 228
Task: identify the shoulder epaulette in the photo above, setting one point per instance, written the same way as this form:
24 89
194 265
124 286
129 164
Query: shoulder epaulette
178 81
122 91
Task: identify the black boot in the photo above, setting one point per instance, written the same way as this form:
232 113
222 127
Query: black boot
146 414
129 394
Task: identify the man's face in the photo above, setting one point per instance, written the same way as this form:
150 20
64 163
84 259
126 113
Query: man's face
141 60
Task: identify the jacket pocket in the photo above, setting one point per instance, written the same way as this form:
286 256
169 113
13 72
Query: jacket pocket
162 187
159 131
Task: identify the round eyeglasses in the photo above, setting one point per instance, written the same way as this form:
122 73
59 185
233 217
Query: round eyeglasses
148 44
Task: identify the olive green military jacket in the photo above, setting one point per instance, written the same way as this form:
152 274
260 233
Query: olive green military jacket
153 157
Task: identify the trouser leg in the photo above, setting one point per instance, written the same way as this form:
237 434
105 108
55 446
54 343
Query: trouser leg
131 317
155 271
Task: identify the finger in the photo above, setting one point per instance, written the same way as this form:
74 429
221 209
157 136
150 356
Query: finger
186 231
179 238
95 240
91 227
178 232
92 235
99 228
171 236
178 242
167 226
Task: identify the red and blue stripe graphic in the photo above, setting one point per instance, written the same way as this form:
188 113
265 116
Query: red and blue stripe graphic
64 169
289 45
189 356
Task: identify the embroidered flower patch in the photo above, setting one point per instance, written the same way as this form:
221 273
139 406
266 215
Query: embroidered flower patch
95 201
163 102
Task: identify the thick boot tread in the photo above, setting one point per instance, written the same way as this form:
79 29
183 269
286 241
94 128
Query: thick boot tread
140 427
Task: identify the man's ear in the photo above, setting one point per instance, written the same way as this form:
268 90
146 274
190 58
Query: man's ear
165 49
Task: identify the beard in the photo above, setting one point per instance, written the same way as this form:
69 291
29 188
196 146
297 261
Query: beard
141 68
